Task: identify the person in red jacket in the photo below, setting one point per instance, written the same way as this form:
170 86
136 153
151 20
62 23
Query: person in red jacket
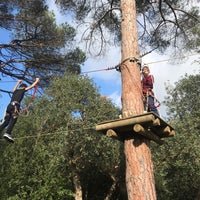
147 90
12 110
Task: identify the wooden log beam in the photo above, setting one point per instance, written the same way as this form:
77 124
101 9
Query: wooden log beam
165 132
125 122
111 133
172 133
148 134
156 122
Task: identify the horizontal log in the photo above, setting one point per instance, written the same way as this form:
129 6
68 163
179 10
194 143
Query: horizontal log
166 130
172 133
156 122
138 128
111 133
125 122
147 134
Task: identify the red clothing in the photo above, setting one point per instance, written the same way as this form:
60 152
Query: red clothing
147 85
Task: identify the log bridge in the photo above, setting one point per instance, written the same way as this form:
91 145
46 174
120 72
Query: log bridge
147 125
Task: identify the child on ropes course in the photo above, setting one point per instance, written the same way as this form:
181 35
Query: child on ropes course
12 110
147 90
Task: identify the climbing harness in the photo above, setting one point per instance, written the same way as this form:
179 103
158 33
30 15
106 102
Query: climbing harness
149 92
16 105
148 106
26 110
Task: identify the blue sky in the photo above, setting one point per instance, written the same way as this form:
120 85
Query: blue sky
164 72
109 82
5 83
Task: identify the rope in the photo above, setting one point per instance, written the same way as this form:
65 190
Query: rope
26 110
51 134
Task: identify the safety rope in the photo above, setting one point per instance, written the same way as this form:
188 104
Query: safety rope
25 111
147 105
174 58
54 133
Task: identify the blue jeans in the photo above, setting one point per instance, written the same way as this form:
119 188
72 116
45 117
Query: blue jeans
149 105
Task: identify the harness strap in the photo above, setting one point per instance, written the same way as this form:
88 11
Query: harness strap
147 101
26 109
35 90
15 113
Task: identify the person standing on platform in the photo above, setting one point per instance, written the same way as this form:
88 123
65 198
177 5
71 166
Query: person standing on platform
147 90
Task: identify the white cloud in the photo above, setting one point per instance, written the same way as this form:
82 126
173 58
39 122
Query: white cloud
163 71
116 98
60 18
109 81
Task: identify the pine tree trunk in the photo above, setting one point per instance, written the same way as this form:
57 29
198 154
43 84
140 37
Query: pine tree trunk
139 168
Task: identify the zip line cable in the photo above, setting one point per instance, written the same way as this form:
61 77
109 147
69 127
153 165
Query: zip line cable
7 81
132 59
98 70
105 69
174 58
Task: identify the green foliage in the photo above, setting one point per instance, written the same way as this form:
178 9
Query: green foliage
33 171
161 24
183 100
177 163
36 42
57 140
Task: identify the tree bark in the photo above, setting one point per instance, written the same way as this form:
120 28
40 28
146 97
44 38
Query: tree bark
139 168
77 186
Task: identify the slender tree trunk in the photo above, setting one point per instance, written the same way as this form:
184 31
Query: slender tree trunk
112 188
77 186
139 168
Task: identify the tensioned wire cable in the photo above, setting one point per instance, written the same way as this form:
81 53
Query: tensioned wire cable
149 63
109 68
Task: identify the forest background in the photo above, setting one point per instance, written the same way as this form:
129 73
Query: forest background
57 153
166 67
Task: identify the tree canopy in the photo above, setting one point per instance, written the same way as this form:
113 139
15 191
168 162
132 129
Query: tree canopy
177 163
57 153
161 23
34 45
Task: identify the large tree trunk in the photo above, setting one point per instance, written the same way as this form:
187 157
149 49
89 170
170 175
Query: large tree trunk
139 168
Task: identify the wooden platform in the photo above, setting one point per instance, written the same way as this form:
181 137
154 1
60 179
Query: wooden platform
147 125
